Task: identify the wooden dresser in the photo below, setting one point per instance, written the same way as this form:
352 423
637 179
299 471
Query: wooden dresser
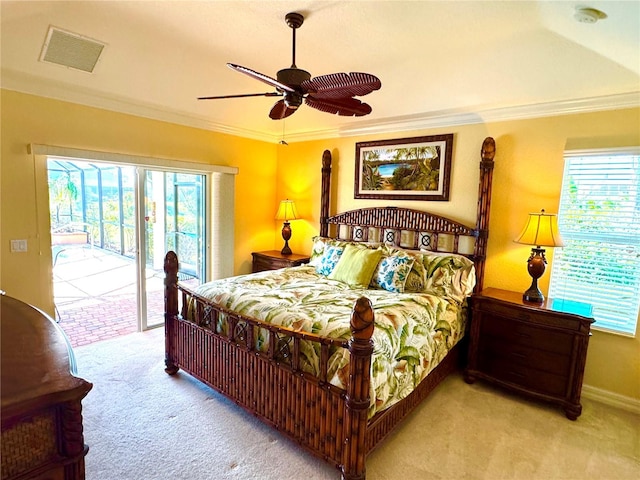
273 260
536 349
41 399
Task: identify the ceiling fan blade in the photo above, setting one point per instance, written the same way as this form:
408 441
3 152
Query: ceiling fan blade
341 85
280 110
268 94
262 77
346 107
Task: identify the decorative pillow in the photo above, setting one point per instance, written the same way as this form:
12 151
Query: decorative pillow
329 259
392 272
318 247
449 275
416 278
321 243
356 266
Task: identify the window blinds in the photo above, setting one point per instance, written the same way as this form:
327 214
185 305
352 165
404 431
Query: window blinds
599 219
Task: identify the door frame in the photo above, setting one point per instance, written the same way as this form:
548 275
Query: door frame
40 154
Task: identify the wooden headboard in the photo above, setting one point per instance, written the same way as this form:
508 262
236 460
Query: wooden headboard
415 229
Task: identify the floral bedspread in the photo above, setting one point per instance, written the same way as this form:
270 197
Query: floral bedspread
414 331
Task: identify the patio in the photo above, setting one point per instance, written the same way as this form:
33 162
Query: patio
95 294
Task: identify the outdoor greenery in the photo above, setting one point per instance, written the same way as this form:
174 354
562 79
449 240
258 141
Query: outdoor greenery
599 220
101 201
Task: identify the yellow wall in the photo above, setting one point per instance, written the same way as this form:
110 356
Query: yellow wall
29 119
527 177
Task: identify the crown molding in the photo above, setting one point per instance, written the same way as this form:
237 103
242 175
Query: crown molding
32 85
24 83
450 118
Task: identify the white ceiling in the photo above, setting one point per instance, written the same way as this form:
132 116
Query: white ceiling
440 62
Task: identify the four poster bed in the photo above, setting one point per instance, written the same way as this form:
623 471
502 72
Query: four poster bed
314 367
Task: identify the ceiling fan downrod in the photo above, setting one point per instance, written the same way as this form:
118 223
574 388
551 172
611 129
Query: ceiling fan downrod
295 21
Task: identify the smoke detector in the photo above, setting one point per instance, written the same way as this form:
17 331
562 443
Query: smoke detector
588 15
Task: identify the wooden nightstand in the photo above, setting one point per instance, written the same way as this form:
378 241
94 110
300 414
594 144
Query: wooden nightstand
273 260
536 349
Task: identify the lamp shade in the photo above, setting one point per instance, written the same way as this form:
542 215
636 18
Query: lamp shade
287 211
541 230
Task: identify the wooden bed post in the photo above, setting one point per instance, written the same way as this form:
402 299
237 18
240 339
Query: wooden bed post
170 307
488 152
325 194
357 400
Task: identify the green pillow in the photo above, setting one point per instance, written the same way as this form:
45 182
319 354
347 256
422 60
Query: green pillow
356 266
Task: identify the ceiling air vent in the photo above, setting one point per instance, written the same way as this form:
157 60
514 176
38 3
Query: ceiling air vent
71 50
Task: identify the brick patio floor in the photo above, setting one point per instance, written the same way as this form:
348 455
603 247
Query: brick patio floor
95 295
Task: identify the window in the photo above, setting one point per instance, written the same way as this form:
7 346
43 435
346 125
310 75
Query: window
599 220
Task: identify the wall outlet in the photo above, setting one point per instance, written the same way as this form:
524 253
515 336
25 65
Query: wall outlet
18 246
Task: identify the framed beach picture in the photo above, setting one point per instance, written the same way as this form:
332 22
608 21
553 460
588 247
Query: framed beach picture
416 168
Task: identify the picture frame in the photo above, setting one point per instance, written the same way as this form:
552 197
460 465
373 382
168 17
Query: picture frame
417 168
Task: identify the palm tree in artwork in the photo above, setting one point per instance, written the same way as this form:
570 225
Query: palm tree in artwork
371 177
423 170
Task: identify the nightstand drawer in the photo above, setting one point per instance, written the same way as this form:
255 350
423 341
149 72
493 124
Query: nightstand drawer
542 318
529 378
525 355
514 332
274 260
260 264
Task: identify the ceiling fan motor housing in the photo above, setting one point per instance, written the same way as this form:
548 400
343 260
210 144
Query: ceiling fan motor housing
293 77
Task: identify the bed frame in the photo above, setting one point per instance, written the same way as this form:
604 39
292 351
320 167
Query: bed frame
328 421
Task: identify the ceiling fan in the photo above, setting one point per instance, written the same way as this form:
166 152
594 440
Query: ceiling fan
332 93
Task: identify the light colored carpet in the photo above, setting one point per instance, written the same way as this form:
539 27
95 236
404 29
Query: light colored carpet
142 424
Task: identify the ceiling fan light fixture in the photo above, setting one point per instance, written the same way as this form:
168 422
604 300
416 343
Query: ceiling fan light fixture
293 100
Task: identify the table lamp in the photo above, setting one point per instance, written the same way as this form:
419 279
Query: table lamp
286 211
541 230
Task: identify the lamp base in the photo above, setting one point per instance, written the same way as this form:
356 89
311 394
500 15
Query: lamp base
533 295
286 235
536 266
286 250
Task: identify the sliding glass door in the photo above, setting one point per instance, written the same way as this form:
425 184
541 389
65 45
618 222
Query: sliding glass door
111 226
174 206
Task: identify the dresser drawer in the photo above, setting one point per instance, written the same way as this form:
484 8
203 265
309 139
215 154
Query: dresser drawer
526 377
519 333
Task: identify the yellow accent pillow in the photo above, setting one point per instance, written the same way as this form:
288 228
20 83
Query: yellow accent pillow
356 266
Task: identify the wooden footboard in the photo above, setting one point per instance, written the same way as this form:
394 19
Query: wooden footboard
328 421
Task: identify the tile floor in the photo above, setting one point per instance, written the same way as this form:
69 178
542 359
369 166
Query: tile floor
95 294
